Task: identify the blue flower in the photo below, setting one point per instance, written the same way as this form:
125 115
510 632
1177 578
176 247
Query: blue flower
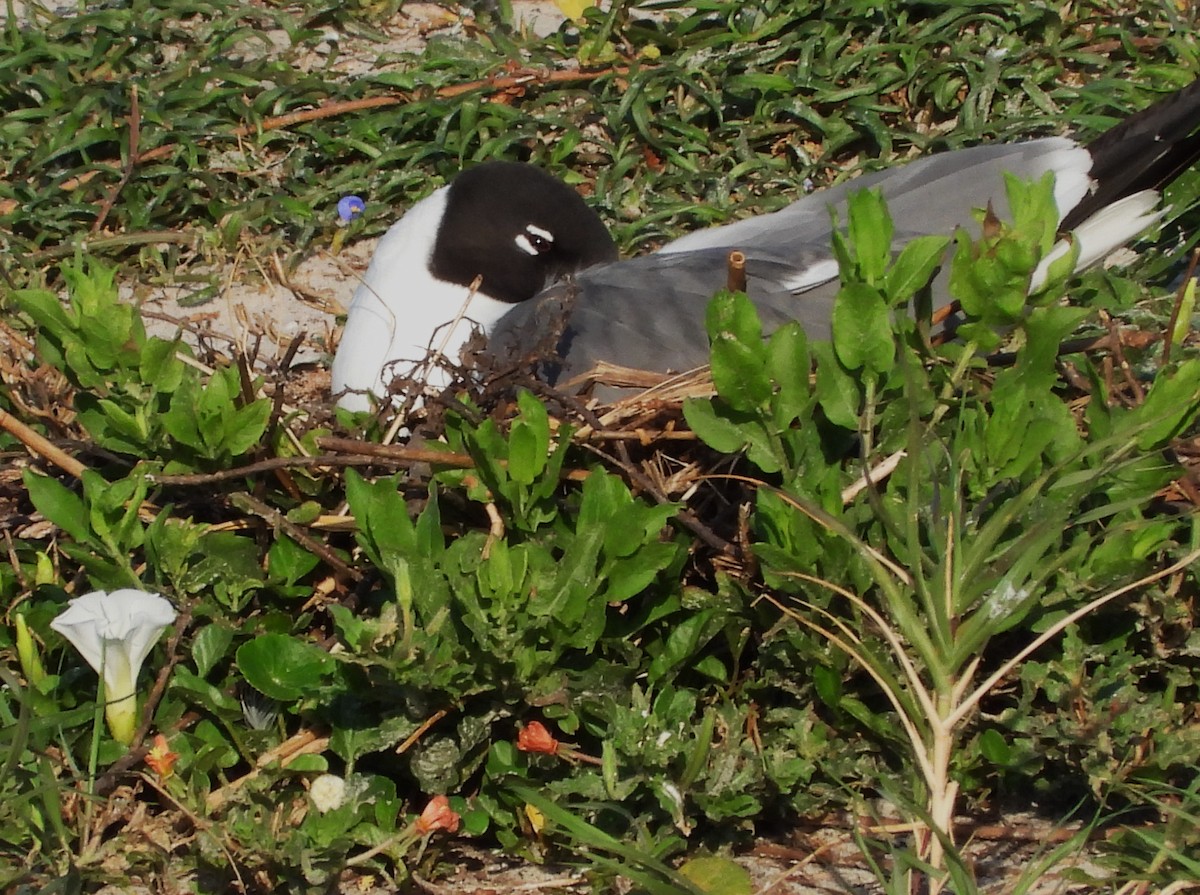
350 207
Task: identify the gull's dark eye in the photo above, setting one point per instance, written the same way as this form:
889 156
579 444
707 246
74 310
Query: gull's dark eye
535 240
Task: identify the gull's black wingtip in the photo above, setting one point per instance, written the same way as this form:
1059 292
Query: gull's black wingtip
1146 151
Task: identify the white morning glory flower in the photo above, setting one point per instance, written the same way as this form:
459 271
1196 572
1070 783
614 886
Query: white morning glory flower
115 632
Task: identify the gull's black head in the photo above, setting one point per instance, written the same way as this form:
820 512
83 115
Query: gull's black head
517 227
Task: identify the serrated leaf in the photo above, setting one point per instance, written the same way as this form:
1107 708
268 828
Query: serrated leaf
350 741
1170 405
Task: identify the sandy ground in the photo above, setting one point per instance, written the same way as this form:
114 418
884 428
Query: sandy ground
817 860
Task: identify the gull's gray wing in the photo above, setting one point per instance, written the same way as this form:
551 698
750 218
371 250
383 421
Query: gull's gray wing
648 313
929 196
932 195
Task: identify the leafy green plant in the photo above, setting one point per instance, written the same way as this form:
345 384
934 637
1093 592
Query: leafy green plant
1162 851
407 658
134 394
103 522
523 615
942 567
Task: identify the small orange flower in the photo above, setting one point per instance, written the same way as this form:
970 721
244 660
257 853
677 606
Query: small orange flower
534 737
160 758
438 815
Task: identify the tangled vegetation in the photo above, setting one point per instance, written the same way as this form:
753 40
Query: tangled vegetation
932 576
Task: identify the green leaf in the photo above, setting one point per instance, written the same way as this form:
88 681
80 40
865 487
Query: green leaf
1170 405
47 312
837 392
209 696
738 356
988 280
528 440
229 566
682 644
995 748
632 576
862 329
209 647
243 429
283 667
384 525
643 868
789 366
870 233
180 421
738 373
715 429
717 876
288 562
574 587
58 504
350 741
734 313
160 367
764 83
914 267
828 684
1187 306
1033 210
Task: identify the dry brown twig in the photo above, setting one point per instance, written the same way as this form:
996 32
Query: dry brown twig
306 742
40 445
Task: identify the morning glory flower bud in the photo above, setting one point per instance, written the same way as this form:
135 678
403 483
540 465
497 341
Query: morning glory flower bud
27 653
115 632
350 207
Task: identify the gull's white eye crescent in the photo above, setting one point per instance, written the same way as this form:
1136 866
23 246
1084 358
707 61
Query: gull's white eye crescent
535 240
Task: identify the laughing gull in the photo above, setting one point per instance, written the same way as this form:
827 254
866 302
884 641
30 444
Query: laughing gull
540 258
